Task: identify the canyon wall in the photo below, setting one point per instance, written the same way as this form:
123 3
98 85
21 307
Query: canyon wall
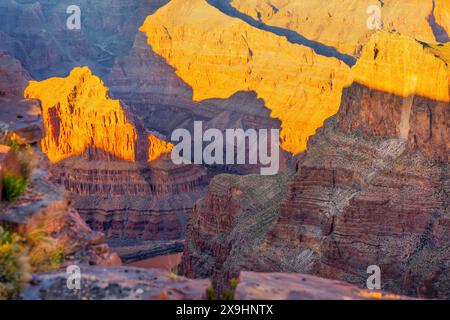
221 47
371 189
35 32
219 56
343 24
120 176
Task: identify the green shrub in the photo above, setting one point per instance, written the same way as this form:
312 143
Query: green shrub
13 187
45 252
232 294
210 295
14 266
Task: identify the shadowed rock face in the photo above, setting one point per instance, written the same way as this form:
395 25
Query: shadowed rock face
36 33
371 189
20 117
360 197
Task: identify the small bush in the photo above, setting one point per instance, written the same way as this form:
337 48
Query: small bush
14 265
210 295
13 187
46 253
232 294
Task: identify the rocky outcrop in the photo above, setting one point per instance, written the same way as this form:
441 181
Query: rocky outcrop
229 224
372 188
154 284
46 208
120 175
294 286
35 32
80 118
123 283
20 119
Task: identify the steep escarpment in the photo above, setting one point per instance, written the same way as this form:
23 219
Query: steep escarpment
218 55
118 173
36 33
221 47
80 118
164 102
343 24
229 224
372 188
45 216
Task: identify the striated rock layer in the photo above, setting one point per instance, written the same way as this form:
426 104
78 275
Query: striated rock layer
343 23
119 174
371 189
221 47
218 56
79 117
229 224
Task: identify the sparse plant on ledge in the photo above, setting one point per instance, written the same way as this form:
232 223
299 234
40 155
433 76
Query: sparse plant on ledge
13 187
210 295
14 264
228 295
231 295
46 253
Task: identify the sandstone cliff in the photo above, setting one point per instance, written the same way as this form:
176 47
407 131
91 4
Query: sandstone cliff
119 174
372 188
343 24
80 118
218 56
221 47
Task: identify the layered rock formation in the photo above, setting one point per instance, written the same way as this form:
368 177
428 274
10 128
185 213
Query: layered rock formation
343 24
229 224
80 118
20 119
372 188
36 33
235 46
218 56
152 90
46 208
119 174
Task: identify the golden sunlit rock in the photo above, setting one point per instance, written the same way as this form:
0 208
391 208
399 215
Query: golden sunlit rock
401 65
157 147
79 116
218 55
343 23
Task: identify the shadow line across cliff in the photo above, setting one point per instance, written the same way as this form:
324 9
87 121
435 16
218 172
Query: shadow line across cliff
225 7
